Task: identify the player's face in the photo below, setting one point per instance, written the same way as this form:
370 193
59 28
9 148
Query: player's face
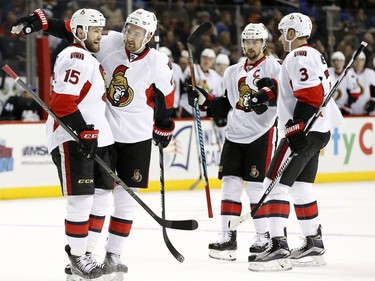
94 36
252 48
133 37
359 64
207 62
338 64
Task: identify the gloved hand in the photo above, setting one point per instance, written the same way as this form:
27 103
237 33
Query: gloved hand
370 105
346 109
34 22
163 132
295 134
88 141
267 92
204 98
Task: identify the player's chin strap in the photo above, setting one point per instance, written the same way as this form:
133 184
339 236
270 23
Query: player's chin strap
237 221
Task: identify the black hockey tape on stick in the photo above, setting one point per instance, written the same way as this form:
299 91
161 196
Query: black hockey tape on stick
167 241
180 224
203 28
237 221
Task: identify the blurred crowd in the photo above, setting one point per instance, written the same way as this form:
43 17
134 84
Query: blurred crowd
338 29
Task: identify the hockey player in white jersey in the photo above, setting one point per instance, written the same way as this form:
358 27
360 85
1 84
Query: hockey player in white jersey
348 90
139 97
205 77
250 137
364 102
304 83
78 99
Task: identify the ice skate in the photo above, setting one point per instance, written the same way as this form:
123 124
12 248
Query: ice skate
225 248
116 266
86 268
262 240
310 253
275 258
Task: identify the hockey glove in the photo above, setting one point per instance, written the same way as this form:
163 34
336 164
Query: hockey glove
34 22
295 135
163 132
265 97
370 105
88 141
204 98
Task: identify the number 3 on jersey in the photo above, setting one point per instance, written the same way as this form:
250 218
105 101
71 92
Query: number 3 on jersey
72 76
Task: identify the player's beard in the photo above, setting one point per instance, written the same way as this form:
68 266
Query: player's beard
252 56
92 47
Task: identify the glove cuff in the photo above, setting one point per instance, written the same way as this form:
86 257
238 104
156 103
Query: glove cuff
163 132
294 126
42 17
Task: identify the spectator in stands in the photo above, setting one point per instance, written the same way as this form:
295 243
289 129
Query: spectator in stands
113 14
20 107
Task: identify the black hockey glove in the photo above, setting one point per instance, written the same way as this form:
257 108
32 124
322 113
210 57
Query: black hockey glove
370 105
204 98
163 132
267 95
88 141
295 135
34 22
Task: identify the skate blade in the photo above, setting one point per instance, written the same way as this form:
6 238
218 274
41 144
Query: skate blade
309 261
116 276
274 265
228 255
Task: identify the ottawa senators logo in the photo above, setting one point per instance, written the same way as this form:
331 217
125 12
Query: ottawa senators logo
254 171
119 93
245 94
137 177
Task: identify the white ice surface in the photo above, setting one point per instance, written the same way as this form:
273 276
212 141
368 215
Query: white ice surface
32 239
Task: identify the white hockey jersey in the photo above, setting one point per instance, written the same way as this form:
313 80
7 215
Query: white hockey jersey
347 86
130 82
210 80
365 79
239 82
304 73
78 83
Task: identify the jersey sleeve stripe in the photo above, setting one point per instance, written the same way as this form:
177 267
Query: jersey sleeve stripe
313 95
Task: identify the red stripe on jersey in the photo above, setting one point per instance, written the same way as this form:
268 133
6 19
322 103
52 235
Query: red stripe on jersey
278 208
76 229
279 160
96 223
269 147
313 95
150 96
231 208
261 213
68 176
306 211
65 104
169 100
120 227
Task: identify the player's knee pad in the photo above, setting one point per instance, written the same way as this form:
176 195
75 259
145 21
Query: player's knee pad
254 190
78 207
302 192
231 188
124 204
102 202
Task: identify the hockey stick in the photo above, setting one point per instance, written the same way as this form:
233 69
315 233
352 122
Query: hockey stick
237 221
203 28
167 242
183 225
195 184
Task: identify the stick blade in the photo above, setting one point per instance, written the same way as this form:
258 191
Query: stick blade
203 28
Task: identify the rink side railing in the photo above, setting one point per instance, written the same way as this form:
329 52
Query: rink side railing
27 171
